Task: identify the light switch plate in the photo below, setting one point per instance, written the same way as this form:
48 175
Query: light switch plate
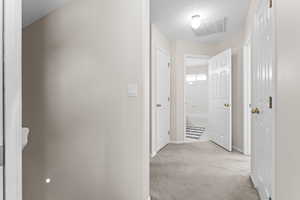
132 90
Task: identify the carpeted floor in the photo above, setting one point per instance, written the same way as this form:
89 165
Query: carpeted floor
200 171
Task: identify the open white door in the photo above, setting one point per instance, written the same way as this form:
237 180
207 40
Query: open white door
11 80
262 100
163 98
219 128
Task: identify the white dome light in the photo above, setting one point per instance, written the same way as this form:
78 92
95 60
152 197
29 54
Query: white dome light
196 22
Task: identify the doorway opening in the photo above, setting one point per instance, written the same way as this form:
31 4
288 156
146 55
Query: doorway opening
207 104
196 98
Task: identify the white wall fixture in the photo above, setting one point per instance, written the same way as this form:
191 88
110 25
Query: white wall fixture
132 90
195 22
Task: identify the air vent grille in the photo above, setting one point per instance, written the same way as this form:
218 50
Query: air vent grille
209 27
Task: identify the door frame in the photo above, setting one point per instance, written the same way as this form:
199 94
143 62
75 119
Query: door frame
12 98
186 57
247 96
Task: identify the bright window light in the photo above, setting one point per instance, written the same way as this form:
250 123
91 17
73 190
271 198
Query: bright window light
190 78
201 77
196 22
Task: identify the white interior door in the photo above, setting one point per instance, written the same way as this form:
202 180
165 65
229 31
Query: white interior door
1 107
262 99
163 98
220 116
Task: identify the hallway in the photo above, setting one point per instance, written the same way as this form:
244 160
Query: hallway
200 171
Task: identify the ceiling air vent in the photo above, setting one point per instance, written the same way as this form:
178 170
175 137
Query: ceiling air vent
209 27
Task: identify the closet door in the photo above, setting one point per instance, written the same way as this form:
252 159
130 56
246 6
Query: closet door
163 98
220 112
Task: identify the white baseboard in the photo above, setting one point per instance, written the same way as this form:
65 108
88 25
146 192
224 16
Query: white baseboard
149 198
176 142
262 191
237 149
153 154
253 180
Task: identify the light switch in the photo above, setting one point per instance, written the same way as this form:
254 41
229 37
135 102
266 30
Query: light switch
132 90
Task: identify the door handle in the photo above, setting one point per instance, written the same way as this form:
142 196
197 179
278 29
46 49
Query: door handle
255 111
226 105
158 105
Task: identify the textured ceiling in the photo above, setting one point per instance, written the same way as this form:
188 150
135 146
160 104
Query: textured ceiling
36 9
172 17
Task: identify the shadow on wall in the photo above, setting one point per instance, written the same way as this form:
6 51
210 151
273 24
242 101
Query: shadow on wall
237 97
85 131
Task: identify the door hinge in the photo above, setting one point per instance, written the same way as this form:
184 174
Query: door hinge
270 3
169 65
270 102
169 132
168 98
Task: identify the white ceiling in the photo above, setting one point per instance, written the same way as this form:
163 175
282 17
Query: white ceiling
172 17
36 9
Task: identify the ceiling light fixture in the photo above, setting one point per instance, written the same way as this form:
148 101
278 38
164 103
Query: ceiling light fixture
196 22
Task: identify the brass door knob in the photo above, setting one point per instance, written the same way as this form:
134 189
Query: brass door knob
255 111
226 105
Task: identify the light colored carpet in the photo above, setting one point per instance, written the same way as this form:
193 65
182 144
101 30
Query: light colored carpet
200 171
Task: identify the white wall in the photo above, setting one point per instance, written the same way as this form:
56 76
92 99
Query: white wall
179 50
158 41
288 98
86 134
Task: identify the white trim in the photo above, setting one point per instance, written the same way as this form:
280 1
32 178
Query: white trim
247 97
145 105
13 99
149 198
178 142
254 181
237 149
153 154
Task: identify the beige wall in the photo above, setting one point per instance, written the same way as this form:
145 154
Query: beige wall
288 98
179 50
86 134
158 41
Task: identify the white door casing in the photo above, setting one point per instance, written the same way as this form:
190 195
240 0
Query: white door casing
220 112
247 97
1 107
262 99
163 98
12 74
